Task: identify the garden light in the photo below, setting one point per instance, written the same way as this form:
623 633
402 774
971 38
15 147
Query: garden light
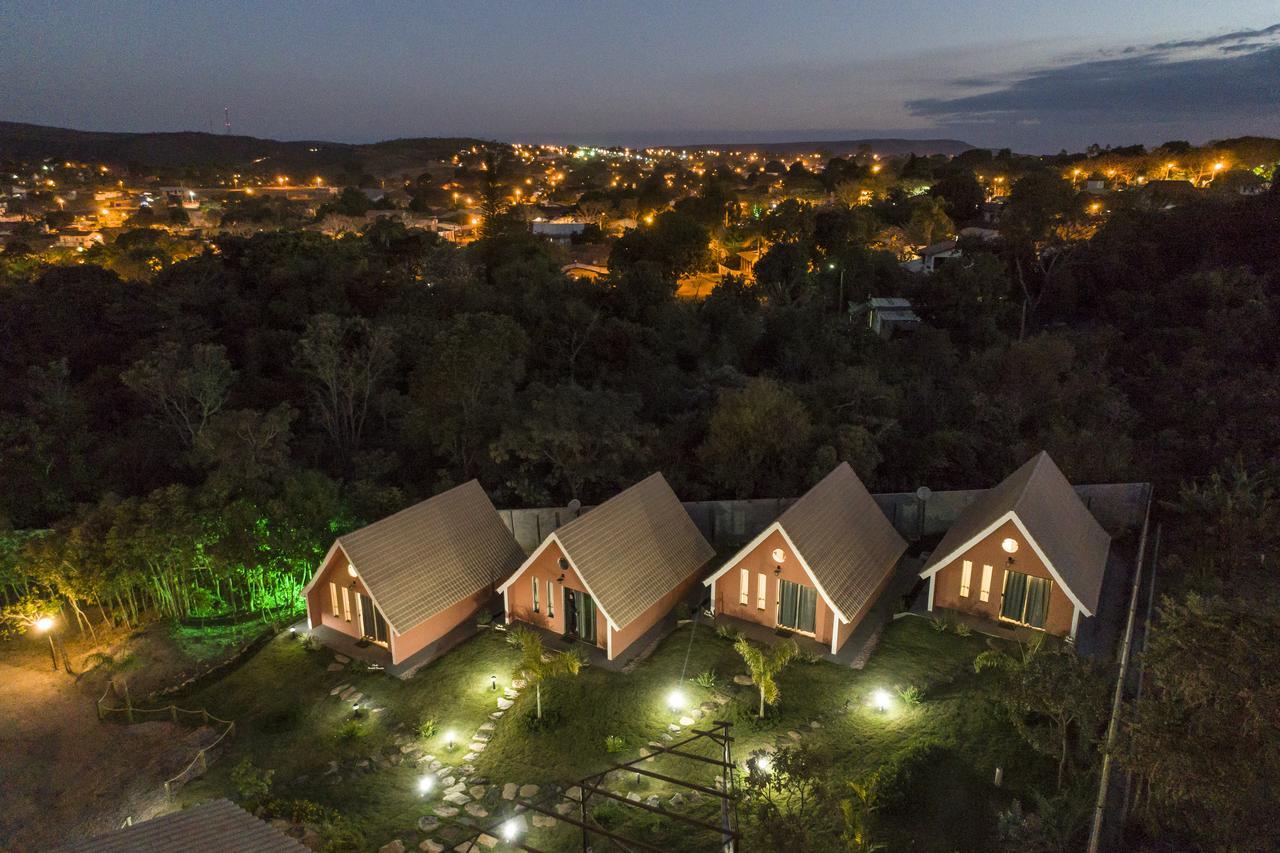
509 830
881 700
675 700
493 682
450 739
44 623
425 784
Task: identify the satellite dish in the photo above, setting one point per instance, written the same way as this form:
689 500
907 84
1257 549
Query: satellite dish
924 493
575 505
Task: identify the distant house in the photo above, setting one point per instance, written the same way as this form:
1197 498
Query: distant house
932 257
1027 552
992 212
611 574
590 272
218 825
76 238
407 581
1164 195
558 230
886 315
818 569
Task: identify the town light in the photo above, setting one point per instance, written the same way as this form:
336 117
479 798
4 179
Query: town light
675 700
44 623
426 783
880 699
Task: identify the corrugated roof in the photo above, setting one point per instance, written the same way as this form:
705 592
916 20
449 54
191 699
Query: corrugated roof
635 548
1047 505
218 826
432 555
844 538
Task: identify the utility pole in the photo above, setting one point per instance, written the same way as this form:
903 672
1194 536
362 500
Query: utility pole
226 120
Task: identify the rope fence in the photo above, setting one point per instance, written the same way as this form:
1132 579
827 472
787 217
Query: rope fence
198 765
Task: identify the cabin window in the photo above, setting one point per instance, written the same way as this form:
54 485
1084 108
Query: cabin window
985 594
744 586
346 604
535 595
333 597
1025 600
762 593
966 575
797 606
551 602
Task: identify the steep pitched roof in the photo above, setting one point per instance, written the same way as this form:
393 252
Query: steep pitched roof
634 548
1067 537
218 826
432 555
844 538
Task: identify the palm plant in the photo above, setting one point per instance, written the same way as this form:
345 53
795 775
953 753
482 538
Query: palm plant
765 664
536 664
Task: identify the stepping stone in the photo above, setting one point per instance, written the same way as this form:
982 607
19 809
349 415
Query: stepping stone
427 823
794 735
652 802
686 721
471 756
481 737
333 667
457 798
720 699
672 727
455 787
667 737
696 713
504 704
355 697
487 840
708 706
478 746
815 725
574 793
566 808
407 748
429 846
434 763
509 791
519 683
447 782
677 801
543 820
633 797
744 680
342 659
476 810
446 811
396 846
347 694
341 687
496 715
645 753
478 791
528 791
511 694
487 727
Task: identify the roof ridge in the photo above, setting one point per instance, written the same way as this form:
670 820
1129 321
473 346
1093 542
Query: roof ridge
411 507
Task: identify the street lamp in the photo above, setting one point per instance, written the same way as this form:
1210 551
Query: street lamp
45 626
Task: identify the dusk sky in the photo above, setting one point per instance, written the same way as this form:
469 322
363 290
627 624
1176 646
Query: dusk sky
1035 75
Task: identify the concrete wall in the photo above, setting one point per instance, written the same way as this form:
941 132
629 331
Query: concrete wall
731 524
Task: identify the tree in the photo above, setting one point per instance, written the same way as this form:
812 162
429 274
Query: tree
537 665
765 664
1049 682
346 359
185 386
783 272
758 440
464 386
675 244
929 220
961 192
787 797
856 810
1202 738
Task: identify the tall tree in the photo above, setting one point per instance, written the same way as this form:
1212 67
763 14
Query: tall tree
186 387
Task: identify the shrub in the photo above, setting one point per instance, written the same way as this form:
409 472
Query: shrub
727 632
358 666
485 618
350 730
251 783
428 728
910 695
705 679
97 659
893 782
310 643
963 629
683 611
940 624
613 744
809 657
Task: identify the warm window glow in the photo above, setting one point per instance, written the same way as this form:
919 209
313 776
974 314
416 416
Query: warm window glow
985 593
744 586
1010 546
966 578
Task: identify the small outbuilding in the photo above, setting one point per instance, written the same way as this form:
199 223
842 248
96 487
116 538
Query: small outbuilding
611 574
1025 553
407 581
218 825
819 568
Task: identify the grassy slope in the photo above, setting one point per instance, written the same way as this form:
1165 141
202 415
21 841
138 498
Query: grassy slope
288 722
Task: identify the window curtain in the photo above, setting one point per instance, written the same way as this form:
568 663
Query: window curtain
1015 596
788 602
1037 601
799 607
808 616
586 618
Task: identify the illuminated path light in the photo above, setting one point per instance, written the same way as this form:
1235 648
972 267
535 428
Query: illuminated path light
675 700
880 699
425 784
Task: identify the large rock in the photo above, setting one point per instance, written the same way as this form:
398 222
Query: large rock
794 735
519 683
677 801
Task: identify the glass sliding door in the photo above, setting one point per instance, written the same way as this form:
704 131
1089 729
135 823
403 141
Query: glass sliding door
373 624
580 615
797 606
1026 599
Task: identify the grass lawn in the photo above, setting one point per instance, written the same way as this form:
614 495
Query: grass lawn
288 721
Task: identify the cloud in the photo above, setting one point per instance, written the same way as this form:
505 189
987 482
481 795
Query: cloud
1223 77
